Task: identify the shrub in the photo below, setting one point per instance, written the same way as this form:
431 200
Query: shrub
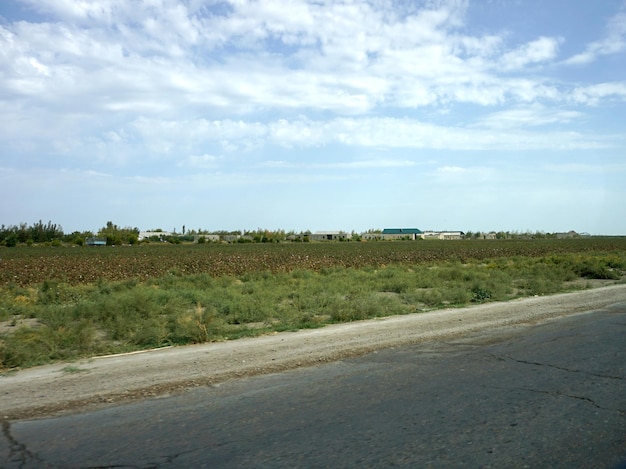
480 294
596 269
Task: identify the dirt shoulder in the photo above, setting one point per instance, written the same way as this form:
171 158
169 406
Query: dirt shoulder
88 384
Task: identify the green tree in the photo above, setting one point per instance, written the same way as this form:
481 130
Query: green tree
116 235
11 240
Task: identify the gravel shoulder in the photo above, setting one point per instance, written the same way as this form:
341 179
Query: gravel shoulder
93 383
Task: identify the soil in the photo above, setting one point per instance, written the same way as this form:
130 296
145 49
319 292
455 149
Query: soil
103 381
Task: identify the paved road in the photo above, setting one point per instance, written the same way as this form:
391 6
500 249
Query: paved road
551 395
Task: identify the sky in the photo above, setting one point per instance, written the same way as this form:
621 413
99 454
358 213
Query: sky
314 114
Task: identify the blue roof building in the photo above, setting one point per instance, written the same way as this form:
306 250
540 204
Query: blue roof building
401 233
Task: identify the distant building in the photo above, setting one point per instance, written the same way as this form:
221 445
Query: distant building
93 241
569 235
212 238
230 238
161 235
330 236
446 235
372 236
401 233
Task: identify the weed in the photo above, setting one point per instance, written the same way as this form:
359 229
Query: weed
72 369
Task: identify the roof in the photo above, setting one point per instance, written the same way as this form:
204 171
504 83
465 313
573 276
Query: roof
401 231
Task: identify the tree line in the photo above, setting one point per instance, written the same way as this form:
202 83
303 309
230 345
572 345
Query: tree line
52 233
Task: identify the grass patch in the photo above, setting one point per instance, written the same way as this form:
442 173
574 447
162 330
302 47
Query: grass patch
73 369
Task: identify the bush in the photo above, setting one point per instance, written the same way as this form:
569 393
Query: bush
596 270
36 346
480 294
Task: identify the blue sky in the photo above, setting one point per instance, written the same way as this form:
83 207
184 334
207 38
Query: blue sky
441 115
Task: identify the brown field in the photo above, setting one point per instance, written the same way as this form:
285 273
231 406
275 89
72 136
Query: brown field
74 265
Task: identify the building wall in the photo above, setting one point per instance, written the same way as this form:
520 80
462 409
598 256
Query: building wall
329 236
442 235
208 237
148 234
391 236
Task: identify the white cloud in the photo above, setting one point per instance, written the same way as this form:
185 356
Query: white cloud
498 132
613 43
586 169
455 175
342 57
451 170
200 162
540 50
534 115
594 94
358 164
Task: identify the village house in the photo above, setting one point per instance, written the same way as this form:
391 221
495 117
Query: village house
446 235
153 234
330 236
209 238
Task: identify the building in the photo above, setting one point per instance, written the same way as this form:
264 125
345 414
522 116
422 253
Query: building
230 238
95 241
330 236
569 235
209 238
447 235
376 236
401 233
154 235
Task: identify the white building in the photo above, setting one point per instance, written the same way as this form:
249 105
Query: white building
149 234
330 236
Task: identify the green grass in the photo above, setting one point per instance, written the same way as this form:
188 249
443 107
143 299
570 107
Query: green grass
77 321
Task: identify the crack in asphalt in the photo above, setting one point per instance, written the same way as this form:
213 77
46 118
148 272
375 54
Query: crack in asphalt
169 459
557 393
569 370
18 452
20 456
120 466
573 396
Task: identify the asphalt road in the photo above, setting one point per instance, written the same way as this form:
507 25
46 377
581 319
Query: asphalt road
550 395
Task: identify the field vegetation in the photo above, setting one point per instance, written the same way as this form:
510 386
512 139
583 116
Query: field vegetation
65 303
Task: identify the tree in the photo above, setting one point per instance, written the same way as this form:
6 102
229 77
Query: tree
11 240
116 235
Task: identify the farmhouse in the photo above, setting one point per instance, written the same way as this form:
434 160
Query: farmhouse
372 236
412 234
152 234
230 238
330 236
211 238
569 235
401 233
443 235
